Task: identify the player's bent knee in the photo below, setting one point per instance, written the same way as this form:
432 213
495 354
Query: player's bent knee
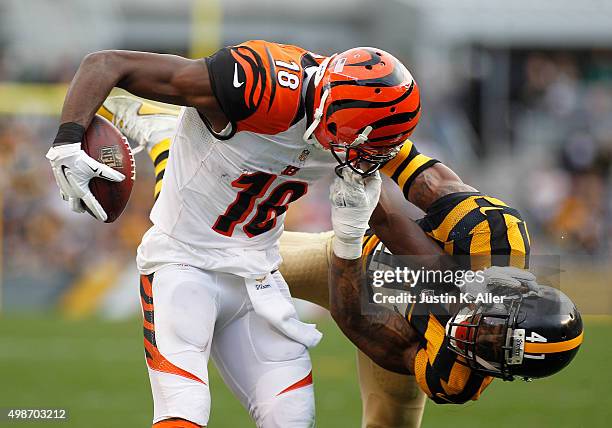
284 397
177 345
176 396
294 408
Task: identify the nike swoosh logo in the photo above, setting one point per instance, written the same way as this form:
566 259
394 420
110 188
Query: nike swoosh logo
483 210
100 173
237 83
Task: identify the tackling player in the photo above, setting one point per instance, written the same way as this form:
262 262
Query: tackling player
263 122
453 350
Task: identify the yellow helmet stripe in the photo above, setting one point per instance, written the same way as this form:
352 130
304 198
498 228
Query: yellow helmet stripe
549 348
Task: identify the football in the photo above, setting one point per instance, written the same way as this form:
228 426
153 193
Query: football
107 145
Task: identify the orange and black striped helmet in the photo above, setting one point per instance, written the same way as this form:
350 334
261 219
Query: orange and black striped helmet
368 105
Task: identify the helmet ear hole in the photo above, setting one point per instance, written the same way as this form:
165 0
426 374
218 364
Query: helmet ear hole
369 67
332 127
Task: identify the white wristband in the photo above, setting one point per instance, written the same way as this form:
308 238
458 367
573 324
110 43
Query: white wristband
348 250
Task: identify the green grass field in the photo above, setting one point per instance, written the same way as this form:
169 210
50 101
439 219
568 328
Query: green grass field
95 370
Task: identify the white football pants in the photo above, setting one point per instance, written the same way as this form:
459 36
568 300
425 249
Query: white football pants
189 313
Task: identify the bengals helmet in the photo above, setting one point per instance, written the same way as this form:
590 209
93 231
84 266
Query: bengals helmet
530 335
367 104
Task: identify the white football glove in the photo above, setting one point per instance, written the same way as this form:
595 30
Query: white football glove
73 169
353 199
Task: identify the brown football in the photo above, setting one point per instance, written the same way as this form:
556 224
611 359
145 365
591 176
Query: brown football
107 145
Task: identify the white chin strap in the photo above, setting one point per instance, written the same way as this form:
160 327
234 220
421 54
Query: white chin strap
318 114
362 138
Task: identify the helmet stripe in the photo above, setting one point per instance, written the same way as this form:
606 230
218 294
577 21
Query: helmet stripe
392 137
374 59
351 103
550 348
394 119
395 78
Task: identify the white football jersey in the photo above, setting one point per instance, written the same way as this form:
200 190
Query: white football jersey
223 200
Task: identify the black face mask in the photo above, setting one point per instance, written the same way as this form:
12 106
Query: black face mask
484 342
358 160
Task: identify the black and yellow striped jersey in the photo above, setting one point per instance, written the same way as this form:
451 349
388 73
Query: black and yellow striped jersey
480 226
406 166
465 223
441 373
471 224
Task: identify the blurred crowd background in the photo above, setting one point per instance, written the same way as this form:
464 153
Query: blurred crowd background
517 98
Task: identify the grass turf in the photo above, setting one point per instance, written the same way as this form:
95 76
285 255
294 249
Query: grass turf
96 371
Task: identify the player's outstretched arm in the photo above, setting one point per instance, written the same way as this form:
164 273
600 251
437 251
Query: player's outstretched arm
422 179
166 78
380 333
400 234
433 183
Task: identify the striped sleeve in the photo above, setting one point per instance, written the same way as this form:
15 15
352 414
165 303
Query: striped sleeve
258 85
407 165
439 372
159 155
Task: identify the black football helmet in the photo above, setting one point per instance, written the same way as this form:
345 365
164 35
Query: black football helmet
533 334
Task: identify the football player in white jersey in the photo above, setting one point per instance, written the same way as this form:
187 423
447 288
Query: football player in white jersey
453 222
263 121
